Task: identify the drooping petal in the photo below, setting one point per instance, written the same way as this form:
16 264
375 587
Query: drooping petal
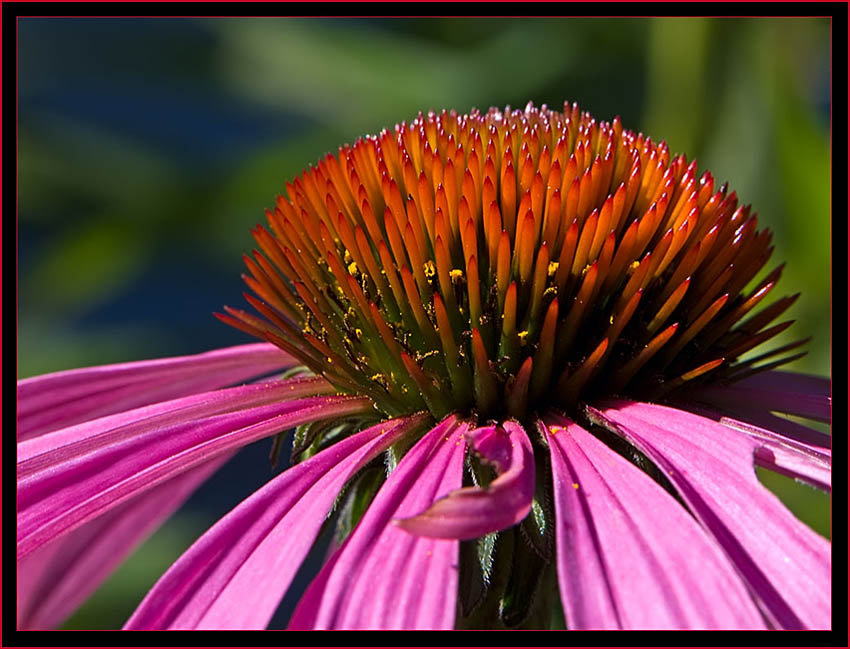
786 564
57 578
630 556
61 399
472 512
794 394
797 464
96 433
780 453
788 429
801 461
68 477
382 577
235 575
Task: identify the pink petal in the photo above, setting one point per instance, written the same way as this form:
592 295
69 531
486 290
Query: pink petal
235 575
96 433
61 399
629 556
472 512
804 462
382 577
795 394
68 477
786 564
795 464
57 578
788 429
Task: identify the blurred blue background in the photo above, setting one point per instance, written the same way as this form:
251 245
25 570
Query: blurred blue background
149 147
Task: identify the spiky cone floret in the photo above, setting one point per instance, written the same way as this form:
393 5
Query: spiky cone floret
500 263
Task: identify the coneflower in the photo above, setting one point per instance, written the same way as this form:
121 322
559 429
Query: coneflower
518 344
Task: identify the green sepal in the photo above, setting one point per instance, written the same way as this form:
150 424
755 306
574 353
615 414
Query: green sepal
557 619
485 615
316 436
397 451
547 603
319 439
480 469
476 571
356 500
305 435
295 372
521 594
538 528
277 447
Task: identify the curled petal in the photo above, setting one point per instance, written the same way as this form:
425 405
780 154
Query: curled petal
786 564
382 577
70 476
493 444
61 399
630 556
472 512
235 575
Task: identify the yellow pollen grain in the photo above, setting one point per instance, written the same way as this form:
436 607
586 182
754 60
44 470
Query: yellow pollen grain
553 267
575 486
522 335
346 257
358 333
456 274
634 265
352 268
429 269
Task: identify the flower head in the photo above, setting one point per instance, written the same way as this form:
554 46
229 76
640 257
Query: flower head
503 263
540 321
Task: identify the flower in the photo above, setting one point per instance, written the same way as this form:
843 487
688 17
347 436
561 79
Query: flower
538 322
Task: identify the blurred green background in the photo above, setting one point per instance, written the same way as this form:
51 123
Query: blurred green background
149 147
